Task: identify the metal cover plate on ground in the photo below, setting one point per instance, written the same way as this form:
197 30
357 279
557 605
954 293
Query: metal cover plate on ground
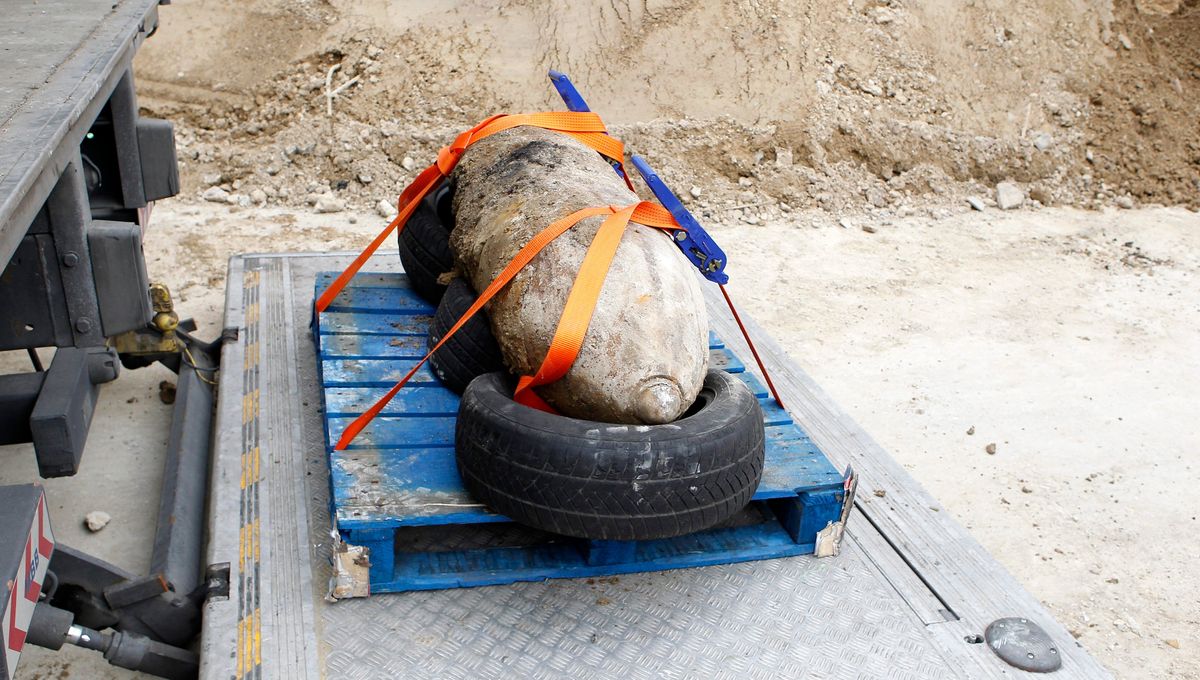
868 613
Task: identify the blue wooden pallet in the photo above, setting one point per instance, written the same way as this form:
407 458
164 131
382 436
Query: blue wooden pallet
396 491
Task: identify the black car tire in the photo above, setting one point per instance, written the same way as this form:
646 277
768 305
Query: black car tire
603 481
470 352
424 246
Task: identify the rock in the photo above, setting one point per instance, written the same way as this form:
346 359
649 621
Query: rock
844 223
876 197
239 199
869 229
211 178
215 195
1124 202
783 157
971 430
1124 40
1172 643
364 178
880 493
696 192
991 449
1043 141
1041 195
1088 155
272 170
646 351
1160 8
1009 196
745 181
329 204
1026 489
96 520
872 88
166 392
385 209
258 197
408 163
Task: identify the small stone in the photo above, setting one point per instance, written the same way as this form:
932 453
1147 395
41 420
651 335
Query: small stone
1172 643
1125 41
1041 195
374 52
991 449
1009 196
1043 141
352 219
212 178
976 203
166 392
215 195
239 199
872 88
329 204
696 192
385 209
1124 202
971 430
783 157
880 493
272 170
96 520
364 178
1025 489
843 223
408 163
258 197
876 197
1089 156
869 229
745 181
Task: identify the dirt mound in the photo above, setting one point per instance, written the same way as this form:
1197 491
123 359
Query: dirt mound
763 106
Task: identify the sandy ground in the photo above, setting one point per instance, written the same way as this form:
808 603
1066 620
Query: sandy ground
1067 338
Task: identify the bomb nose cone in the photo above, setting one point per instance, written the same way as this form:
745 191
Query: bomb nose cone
659 400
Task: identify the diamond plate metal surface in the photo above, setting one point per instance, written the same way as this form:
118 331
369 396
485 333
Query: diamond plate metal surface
796 618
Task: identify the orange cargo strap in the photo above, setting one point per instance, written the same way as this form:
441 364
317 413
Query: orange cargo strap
583 126
576 314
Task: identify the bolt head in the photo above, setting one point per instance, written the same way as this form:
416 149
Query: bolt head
83 325
70 259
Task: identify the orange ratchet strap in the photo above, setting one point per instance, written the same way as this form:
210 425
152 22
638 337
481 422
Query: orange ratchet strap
583 126
576 314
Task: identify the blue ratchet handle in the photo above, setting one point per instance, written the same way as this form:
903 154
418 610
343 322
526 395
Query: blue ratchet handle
574 101
693 240
566 90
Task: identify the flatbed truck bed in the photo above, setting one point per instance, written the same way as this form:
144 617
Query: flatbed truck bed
910 595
